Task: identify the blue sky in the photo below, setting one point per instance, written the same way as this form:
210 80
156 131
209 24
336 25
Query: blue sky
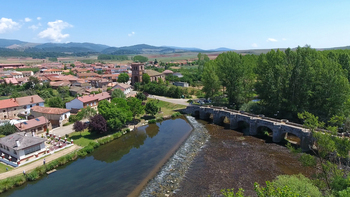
185 23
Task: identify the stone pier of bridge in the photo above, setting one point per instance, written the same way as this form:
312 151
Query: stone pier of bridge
278 127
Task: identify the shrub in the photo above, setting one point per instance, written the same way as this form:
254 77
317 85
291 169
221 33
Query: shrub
152 121
73 118
176 114
160 119
32 176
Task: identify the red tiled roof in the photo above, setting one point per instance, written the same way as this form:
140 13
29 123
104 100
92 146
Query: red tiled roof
11 80
49 110
7 103
52 70
60 83
32 123
27 100
91 97
168 72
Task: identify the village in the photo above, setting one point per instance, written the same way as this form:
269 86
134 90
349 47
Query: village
36 122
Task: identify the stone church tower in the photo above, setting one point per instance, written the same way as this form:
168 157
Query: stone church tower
137 71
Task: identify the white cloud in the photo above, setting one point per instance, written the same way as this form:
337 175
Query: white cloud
131 34
35 27
7 24
254 45
38 18
54 31
271 40
27 19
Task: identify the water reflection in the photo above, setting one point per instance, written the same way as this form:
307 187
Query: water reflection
115 151
152 130
114 169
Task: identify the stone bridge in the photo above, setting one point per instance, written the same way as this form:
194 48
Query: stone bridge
278 127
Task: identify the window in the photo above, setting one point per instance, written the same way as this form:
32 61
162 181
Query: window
31 149
95 103
5 116
14 114
37 104
31 106
3 110
14 108
14 152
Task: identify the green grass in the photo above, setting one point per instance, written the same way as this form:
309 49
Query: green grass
85 137
3 168
167 108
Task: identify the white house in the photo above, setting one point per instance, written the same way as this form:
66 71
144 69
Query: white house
28 102
126 88
21 146
57 116
88 100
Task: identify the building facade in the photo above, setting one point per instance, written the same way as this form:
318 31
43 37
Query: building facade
57 116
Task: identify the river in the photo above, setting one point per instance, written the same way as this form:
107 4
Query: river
210 159
114 169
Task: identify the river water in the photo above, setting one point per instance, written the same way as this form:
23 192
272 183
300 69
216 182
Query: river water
210 159
114 169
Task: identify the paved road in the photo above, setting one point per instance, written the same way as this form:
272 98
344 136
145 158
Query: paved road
62 131
170 100
39 162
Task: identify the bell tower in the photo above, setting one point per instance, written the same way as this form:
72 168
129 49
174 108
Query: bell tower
137 71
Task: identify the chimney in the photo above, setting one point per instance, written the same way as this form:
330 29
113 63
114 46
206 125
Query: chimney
14 99
94 93
32 100
20 125
18 144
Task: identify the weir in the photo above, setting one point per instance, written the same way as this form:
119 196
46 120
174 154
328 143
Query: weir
278 127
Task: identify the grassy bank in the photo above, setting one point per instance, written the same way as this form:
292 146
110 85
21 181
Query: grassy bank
167 108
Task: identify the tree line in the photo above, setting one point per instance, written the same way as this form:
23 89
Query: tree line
286 82
112 57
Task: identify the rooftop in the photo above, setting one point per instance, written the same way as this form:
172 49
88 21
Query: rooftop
39 121
23 139
27 100
8 103
152 73
92 97
49 110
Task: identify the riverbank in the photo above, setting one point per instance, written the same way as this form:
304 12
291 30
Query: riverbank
231 159
172 172
157 168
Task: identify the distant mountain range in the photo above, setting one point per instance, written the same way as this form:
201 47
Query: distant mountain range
15 46
86 47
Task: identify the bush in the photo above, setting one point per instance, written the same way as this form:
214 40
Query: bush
176 114
152 121
32 176
298 184
160 119
73 118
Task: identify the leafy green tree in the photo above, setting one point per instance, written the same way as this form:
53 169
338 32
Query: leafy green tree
146 78
236 73
117 93
211 82
136 106
137 86
330 150
86 113
72 65
116 113
7 129
155 61
141 96
56 102
123 78
151 108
